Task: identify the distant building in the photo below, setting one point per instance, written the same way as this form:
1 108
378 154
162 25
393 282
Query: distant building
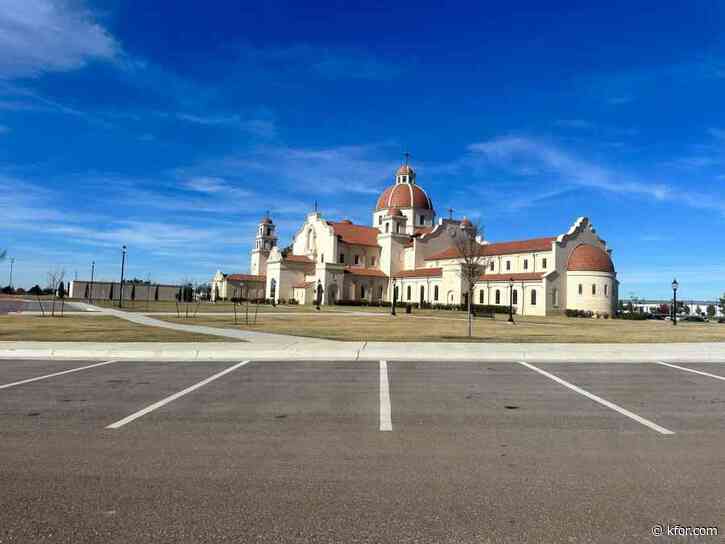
407 250
689 307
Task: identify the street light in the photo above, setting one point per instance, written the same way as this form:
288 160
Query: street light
511 300
90 292
123 265
394 297
675 285
12 262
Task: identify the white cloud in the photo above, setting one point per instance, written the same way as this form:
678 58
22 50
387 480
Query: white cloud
259 127
515 153
38 36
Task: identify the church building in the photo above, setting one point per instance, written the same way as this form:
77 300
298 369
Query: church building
409 253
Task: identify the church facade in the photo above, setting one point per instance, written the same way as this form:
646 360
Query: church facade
409 253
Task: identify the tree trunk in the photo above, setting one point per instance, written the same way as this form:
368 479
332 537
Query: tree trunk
470 316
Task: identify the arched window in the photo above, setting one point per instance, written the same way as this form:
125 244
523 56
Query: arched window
362 291
533 297
480 296
409 292
397 227
498 296
435 293
605 290
594 288
515 298
422 293
581 289
387 227
555 298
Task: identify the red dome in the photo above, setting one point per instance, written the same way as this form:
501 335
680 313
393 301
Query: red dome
395 211
466 222
587 258
404 195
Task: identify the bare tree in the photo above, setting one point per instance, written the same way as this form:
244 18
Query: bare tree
473 264
55 278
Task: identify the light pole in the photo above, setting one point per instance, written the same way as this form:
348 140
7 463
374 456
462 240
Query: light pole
393 298
123 265
12 263
90 291
511 300
675 285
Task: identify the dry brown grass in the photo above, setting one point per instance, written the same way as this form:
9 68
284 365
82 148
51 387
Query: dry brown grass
90 329
452 328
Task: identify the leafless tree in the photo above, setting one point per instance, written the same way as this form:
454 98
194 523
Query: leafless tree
55 277
473 261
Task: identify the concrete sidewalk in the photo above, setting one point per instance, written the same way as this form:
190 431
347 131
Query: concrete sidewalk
308 349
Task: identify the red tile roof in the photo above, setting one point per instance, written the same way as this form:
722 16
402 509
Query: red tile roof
404 195
590 259
499 248
355 234
370 272
524 276
298 259
246 277
420 273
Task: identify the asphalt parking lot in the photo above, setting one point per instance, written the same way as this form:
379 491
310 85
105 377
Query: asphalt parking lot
247 451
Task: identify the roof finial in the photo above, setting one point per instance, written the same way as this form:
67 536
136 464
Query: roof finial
407 157
450 212
315 205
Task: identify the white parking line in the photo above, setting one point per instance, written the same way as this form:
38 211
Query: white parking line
21 382
693 371
386 423
128 419
615 407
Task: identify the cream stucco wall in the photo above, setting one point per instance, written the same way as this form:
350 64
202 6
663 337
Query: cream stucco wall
604 300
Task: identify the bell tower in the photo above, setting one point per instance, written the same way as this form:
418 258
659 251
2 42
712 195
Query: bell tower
264 242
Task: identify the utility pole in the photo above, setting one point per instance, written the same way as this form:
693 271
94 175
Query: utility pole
123 265
12 263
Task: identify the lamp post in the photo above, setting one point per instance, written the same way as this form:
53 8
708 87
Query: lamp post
393 299
12 263
123 266
90 291
675 285
511 300
318 295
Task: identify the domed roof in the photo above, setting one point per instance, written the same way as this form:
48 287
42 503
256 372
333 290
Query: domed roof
404 195
395 211
405 170
587 258
466 222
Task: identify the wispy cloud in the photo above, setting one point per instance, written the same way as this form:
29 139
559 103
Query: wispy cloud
259 127
39 36
568 169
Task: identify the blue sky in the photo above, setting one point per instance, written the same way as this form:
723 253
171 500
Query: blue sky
173 126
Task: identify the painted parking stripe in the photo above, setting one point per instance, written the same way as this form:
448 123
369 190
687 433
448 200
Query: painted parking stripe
21 382
128 419
386 423
693 371
600 400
